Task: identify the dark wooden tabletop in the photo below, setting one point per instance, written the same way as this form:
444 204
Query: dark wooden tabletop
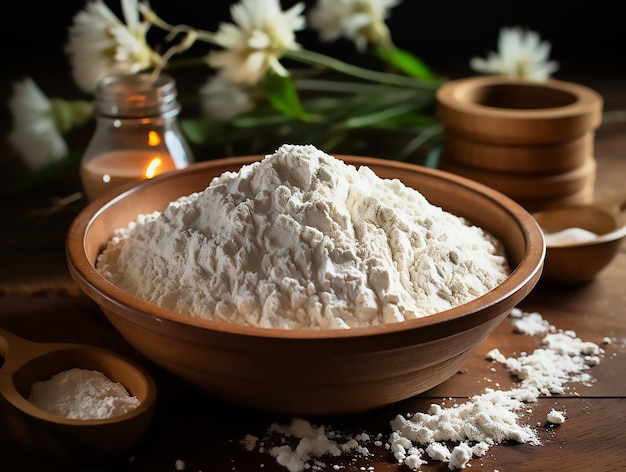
39 301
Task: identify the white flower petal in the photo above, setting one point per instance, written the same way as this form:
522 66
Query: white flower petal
361 21
258 40
521 54
100 44
130 11
34 134
259 37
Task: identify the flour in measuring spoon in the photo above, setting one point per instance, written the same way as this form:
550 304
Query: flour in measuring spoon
302 240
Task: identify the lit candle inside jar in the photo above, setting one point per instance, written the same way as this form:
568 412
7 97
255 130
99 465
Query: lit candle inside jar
114 168
136 135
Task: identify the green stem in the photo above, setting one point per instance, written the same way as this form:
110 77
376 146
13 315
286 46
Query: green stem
342 87
418 141
316 59
377 117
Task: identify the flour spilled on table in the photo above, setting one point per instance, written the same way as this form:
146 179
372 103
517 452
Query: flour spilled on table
457 434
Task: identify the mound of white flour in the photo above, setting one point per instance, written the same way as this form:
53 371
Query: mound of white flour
302 240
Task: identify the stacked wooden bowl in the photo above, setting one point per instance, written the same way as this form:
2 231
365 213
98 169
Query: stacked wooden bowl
532 141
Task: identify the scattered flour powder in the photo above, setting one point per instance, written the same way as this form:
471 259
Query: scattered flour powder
82 394
456 434
302 240
555 417
302 445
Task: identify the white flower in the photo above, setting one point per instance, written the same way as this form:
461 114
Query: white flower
100 44
262 33
35 134
361 21
521 54
223 99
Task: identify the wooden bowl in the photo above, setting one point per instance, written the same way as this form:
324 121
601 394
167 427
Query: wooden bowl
500 110
530 140
520 186
530 160
582 197
55 438
580 262
310 372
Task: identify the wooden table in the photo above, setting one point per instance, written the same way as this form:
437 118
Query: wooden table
39 301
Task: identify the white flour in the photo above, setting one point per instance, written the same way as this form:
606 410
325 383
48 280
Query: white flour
494 416
456 434
555 417
302 240
301 445
569 236
82 394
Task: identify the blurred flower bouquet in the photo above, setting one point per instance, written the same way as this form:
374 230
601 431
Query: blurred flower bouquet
261 83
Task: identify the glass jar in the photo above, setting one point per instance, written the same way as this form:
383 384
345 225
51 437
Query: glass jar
136 136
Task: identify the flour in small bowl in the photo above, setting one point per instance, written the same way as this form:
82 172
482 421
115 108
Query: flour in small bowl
82 394
301 239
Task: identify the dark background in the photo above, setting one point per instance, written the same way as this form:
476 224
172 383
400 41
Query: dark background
586 37
588 41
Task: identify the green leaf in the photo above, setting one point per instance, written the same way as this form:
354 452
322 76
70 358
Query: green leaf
410 120
406 62
378 116
203 131
283 96
430 134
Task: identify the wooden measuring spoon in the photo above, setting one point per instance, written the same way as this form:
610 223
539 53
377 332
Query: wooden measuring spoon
70 440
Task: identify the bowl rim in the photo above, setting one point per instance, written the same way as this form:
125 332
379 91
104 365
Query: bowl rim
585 100
607 237
514 288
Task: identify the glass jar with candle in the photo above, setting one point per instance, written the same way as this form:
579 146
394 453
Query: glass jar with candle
136 135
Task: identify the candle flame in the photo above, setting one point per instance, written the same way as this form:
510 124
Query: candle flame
153 166
153 138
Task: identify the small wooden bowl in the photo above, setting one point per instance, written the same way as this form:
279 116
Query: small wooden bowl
310 372
64 440
580 262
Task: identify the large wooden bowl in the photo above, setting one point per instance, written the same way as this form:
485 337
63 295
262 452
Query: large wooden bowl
310 372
